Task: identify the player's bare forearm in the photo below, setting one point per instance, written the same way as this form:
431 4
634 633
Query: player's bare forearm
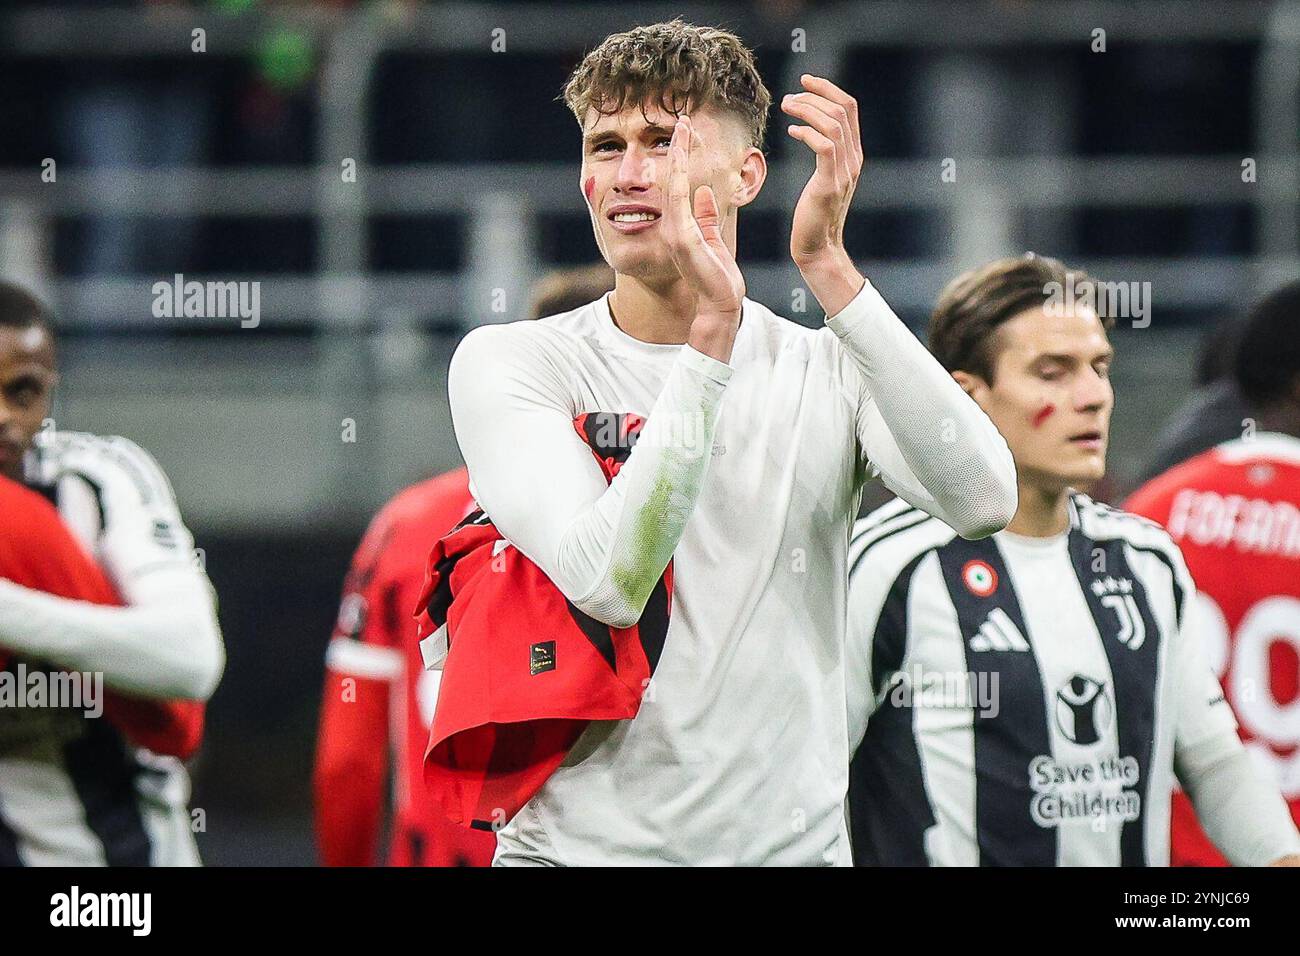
833 280
714 334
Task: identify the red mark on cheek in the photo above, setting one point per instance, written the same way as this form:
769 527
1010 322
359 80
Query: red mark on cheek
588 188
1043 414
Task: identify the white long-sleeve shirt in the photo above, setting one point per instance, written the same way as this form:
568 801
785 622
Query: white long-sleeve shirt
748 476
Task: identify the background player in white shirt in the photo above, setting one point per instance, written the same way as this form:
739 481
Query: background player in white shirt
747 475
165 644
1028 699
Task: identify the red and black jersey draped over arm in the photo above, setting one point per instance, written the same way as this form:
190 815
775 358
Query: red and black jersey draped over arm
526 670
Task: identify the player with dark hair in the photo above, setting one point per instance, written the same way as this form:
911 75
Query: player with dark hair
163 645
28 374
758 437
1235 513
1028 699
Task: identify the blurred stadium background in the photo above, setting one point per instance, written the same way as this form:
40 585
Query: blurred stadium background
228 164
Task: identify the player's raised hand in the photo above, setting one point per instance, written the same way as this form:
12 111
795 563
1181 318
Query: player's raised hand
817 235
694 235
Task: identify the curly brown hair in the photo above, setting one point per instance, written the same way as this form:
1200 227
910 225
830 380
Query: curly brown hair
679 66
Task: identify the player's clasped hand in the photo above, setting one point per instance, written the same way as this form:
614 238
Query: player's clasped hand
694 235
832 133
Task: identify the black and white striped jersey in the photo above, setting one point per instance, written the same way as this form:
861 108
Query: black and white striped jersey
1020 701
73 791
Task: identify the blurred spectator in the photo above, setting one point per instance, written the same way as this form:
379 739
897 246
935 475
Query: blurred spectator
566 289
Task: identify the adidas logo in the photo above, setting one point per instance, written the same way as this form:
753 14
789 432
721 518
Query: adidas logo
998 633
